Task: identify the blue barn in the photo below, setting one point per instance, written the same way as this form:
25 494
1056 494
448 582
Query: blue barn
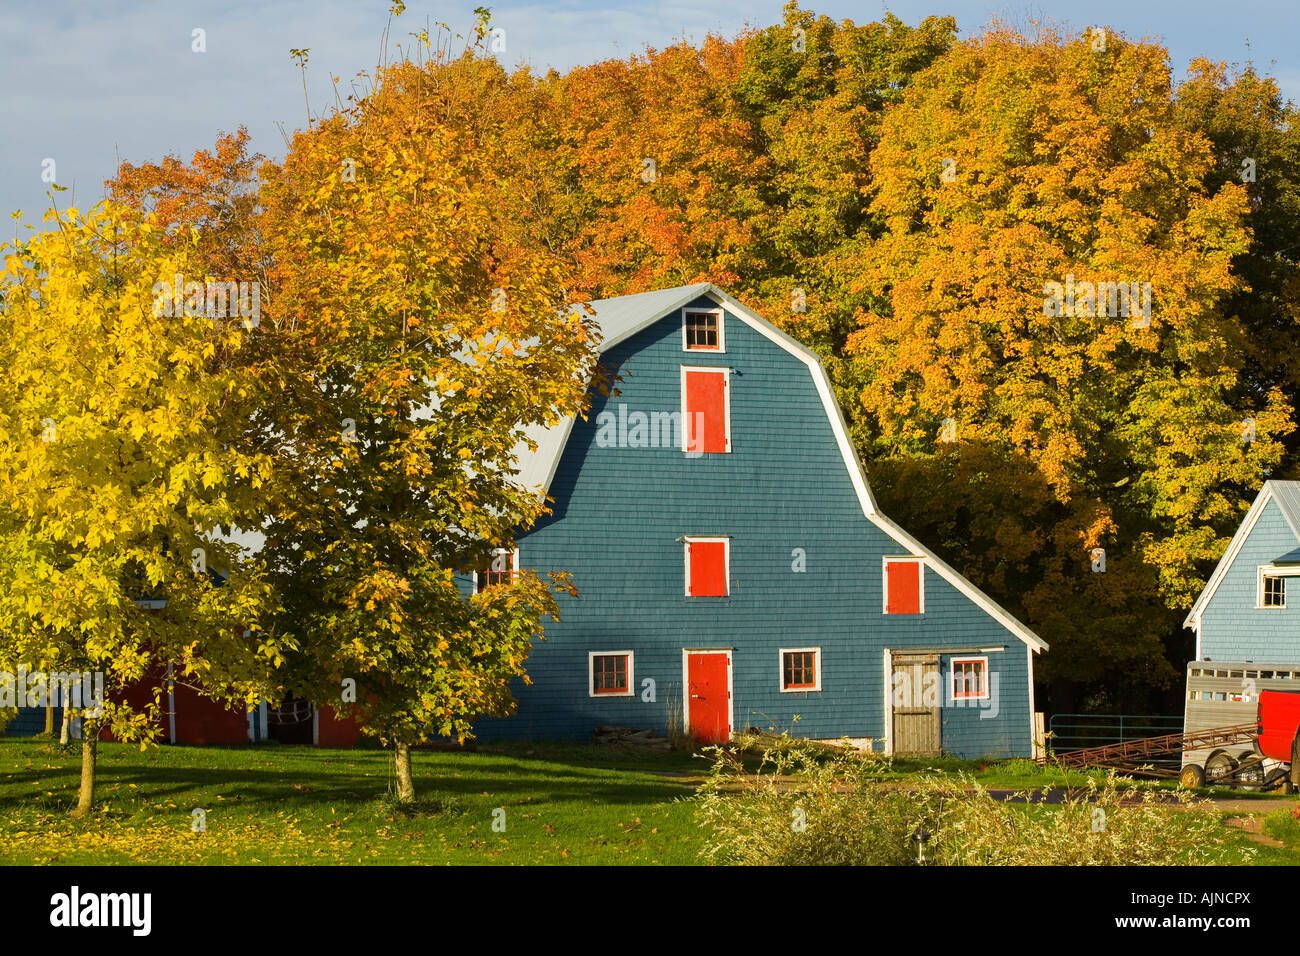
733 569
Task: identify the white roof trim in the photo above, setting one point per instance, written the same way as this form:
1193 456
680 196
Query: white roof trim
555 459
1193 618
689 294
858 474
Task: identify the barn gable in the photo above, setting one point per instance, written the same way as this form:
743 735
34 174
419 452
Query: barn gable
1233 617
792 604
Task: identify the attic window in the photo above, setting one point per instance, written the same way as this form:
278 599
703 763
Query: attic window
1273 592
702 330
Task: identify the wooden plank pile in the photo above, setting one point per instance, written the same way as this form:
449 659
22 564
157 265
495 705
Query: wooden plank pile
630 737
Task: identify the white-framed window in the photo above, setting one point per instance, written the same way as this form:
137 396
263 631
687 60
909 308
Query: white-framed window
801 669
708 566
970 678
904 585
703 330
609 674
502 569
1271 588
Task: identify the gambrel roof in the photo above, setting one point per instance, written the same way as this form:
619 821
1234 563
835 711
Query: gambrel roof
622 317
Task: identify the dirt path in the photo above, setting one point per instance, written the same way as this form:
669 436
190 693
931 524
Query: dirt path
1254 829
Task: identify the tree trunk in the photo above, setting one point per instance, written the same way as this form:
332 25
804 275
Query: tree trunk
67 727
49 721
402 766
89 741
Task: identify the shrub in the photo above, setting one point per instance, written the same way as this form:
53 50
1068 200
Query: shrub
811 805
805 805
1094 825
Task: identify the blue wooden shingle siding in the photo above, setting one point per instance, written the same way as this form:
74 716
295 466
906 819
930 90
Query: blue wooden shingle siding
618 515
1233 628
30 721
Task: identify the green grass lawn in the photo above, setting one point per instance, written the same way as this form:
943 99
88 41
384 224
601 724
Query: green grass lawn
279 804
266 803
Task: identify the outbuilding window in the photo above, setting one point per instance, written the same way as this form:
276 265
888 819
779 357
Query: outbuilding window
1273 592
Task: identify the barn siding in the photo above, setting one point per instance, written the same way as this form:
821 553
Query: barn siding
616 521
1232 627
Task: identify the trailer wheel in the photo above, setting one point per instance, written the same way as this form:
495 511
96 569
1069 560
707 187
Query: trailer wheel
1219 767
1193 775
1277 777
1252 776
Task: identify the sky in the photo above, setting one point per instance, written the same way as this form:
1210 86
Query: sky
88 83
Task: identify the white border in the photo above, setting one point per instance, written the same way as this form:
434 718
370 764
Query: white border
514 565
722 337
817 670
726 408
591 674
952 677
1033 721
686 686
687 541
885 562
889 701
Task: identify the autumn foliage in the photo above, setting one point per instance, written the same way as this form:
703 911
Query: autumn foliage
901 200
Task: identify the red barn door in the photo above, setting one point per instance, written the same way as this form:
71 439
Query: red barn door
708 695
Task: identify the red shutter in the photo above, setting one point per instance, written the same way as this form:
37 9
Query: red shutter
903 584
706 411
708 562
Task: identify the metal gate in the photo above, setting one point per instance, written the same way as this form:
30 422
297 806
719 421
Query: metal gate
915 683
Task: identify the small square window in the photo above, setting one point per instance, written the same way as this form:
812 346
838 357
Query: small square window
610 673
502 570
801 669
1274 591
970 678
702 331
